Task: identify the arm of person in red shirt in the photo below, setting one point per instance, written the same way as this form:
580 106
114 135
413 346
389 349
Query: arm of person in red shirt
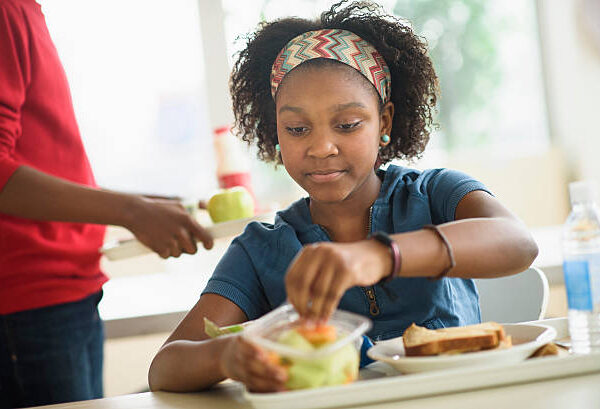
162 225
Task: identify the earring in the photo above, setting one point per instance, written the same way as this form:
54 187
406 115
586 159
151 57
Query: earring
385 139
277 148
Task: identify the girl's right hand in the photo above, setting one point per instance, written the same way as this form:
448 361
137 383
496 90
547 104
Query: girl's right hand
166 227
249 364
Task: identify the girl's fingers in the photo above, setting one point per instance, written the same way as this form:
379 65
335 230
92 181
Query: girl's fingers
290 285
321 291
259 373
264 385
240 356
263 370
332 302
319 275
302 289
299 279
260 367
260 357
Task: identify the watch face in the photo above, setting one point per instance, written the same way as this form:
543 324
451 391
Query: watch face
382 237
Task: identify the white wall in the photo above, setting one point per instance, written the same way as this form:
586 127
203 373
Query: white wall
572 67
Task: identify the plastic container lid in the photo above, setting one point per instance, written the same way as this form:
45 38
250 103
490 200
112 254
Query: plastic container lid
266 330
582 191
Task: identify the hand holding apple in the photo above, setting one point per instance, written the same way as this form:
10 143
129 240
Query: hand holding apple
231 204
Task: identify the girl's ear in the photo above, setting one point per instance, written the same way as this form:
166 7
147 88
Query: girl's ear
386 119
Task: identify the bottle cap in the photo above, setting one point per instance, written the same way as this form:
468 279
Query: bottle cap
582 191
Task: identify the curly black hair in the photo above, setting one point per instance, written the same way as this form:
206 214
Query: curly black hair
414 82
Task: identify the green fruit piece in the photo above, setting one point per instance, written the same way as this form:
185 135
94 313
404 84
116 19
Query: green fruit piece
335 378
337 368
231 204
232 329
339 365
349 360
213 330
303 375
294 340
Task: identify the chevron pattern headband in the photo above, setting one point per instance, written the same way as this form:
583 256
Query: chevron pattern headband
335 44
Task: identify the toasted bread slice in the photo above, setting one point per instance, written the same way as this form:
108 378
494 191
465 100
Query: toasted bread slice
420 341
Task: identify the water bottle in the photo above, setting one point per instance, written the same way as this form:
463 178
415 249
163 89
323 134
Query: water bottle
581 267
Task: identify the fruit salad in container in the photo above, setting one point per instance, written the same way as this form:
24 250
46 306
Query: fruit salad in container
313 355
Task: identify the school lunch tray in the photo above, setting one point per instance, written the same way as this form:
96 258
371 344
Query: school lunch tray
379 382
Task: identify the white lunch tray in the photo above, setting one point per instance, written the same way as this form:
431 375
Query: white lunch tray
390 385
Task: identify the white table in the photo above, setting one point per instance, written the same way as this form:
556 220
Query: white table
579 392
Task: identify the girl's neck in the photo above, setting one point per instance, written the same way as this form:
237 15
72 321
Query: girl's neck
348 220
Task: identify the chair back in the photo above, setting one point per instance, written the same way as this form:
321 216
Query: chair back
516 298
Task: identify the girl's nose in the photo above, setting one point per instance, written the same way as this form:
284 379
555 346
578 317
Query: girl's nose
322 146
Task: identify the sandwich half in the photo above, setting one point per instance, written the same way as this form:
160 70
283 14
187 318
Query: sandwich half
420 341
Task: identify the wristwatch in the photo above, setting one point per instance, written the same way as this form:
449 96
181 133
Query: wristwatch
386 240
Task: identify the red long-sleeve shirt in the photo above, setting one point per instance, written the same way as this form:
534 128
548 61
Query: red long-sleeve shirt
41 263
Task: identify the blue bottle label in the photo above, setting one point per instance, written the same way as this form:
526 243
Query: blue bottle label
578 284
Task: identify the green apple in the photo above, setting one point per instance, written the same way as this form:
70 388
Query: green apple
231 204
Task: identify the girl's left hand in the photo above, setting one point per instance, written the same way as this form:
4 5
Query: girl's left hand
322 272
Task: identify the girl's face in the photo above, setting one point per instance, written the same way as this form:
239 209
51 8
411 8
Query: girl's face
329 128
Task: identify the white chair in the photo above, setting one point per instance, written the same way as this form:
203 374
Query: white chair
516 298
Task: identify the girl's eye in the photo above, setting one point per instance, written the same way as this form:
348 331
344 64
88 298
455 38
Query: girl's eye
349 126
296 130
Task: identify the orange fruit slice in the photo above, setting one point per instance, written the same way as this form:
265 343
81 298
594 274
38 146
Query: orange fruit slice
319 334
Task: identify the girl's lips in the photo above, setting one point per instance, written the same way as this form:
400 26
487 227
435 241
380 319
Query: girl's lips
327 176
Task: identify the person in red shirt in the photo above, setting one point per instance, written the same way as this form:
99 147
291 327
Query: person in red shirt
52 218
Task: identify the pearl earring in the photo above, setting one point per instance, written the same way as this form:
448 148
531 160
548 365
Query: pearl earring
385 138
277 148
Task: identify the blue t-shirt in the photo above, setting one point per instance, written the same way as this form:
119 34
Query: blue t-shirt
251 273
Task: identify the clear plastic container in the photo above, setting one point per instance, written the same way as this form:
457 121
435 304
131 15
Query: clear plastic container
333 363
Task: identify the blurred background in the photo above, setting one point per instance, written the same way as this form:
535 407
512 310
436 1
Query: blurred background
519 83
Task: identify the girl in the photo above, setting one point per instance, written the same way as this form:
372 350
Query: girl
332 100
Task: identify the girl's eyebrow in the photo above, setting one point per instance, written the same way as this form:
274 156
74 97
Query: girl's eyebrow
291 109
335 108
341 107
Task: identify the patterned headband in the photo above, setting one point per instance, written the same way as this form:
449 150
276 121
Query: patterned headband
335 44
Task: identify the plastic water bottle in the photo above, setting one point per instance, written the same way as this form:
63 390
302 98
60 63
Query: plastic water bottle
581 251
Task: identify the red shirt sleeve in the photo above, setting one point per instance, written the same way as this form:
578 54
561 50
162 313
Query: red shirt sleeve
14 79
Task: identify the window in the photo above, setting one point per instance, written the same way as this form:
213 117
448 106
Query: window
486 55
135 69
